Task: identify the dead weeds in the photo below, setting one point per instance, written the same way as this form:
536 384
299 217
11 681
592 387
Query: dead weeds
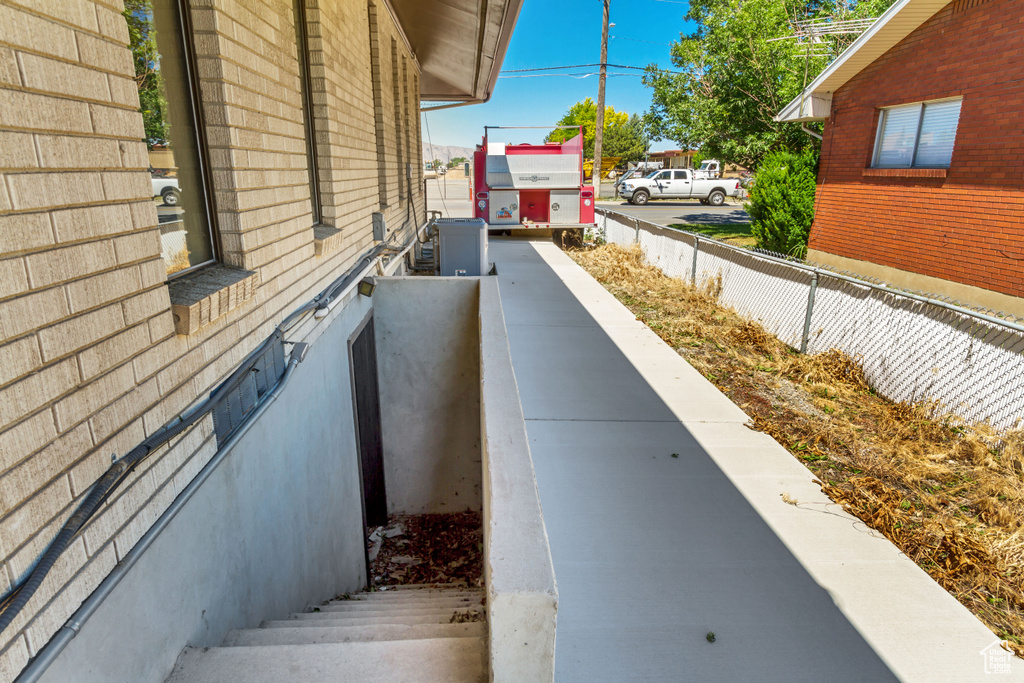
948 494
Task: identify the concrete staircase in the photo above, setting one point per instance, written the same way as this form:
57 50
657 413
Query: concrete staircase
409 633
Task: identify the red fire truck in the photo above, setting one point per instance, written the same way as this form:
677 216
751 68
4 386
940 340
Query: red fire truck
531 186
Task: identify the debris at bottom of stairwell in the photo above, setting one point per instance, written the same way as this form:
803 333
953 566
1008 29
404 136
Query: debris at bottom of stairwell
418 549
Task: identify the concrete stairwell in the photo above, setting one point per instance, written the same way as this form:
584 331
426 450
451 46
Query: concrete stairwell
409 633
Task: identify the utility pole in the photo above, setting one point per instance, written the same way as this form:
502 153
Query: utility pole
599 132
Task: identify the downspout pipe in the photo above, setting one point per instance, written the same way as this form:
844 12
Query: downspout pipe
38 666
804 128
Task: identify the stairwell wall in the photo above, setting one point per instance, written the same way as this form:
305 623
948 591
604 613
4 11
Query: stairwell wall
429 367
277 527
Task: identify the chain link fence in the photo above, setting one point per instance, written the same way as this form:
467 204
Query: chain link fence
912 347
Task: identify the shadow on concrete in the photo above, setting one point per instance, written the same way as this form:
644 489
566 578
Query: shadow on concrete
652 551
733 217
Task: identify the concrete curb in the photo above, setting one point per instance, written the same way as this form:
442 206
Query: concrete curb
522 596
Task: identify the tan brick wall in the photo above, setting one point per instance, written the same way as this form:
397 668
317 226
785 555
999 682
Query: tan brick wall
89 360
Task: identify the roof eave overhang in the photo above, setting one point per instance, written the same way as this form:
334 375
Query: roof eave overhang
899 21
459 45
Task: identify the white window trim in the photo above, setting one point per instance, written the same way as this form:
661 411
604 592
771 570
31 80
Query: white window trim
883 111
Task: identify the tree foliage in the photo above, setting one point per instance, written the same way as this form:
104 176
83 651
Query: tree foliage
781 204
616 125
148 79
628 141
732 77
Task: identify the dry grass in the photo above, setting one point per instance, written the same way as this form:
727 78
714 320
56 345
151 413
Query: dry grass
948 494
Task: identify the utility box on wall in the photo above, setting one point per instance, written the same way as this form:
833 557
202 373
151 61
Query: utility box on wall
463 246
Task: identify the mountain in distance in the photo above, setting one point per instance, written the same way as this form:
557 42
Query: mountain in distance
445 152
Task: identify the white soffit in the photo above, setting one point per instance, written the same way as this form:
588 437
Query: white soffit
899 21
459 44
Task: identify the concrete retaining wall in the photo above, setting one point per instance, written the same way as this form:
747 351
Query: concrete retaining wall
428 365
277 527
522 596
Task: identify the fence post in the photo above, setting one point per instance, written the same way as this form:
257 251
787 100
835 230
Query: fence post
810 310
636 226
693 268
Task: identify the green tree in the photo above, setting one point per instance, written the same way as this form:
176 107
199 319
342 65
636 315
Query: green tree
781 205
456 162
732 75
585 114
148 79
629 140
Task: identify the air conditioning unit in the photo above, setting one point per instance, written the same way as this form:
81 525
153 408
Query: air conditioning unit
463 246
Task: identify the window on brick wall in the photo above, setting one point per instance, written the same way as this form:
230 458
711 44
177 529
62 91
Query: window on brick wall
160 33
308 121
917 135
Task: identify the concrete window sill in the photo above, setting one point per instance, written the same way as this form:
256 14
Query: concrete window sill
199 298
326 239
905 172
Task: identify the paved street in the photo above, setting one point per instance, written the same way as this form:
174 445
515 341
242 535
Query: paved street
665 212
449 196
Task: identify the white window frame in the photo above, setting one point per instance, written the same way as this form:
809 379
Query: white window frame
884 111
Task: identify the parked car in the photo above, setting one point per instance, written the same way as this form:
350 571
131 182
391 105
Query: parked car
167 189
679 184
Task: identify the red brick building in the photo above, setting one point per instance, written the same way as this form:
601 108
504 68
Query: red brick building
921 179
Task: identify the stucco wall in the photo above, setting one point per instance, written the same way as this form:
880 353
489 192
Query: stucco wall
428 361
966 226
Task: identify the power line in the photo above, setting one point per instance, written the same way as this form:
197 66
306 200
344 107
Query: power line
637 40
581 75
572 66
584 66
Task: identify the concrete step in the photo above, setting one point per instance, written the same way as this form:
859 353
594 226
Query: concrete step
334 619
380 605
346 634
400 596
427 586
453 660
369 615
384 611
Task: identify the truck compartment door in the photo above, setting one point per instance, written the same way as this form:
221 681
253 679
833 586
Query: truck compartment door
504 207
565 206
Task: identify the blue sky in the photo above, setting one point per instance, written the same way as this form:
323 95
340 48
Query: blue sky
567 32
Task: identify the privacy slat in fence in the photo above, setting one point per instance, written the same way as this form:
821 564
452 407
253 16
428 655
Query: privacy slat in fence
911 349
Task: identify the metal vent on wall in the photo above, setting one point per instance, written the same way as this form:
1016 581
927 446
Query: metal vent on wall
235 407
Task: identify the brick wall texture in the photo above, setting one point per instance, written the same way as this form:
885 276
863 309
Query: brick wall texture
967 226
90 363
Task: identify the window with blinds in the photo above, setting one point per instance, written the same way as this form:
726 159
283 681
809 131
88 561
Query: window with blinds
917 135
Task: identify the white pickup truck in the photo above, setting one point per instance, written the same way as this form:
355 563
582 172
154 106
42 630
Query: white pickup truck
679 184
167 188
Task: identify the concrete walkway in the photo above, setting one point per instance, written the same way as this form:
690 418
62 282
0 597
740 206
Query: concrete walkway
653 551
